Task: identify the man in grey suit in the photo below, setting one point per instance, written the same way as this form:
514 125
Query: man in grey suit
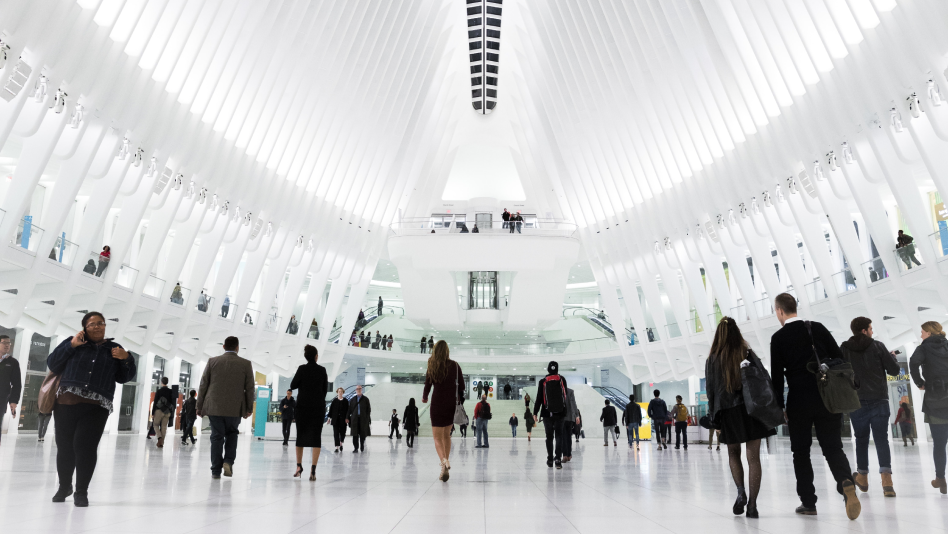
226 394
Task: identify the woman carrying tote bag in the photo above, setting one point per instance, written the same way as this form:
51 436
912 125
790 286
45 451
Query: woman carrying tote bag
445 376
726 411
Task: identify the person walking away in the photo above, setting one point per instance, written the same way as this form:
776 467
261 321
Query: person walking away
225 306
10 382
444 380
632 419
424 344
906 248
529 421
89 365
658 412
871 363
514 423
711 433
338 413
431 344
393 423
225 395
526 400
481 416
104 258
791 349
609 420
464 419
287 414
411 422
507 389
680 413
551 407
569 423
311 383
929 367
904 419
380 306
176 296
188 418
359 419
161 408
727 411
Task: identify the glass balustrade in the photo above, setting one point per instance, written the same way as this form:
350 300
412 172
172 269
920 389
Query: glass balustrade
874 271
227 311
815 291
153 286
739 313
271 322
939 242
64 252
695 326
204 304
180 295
844 281
908 258
28 235
673 330
250 317
764 307
126 277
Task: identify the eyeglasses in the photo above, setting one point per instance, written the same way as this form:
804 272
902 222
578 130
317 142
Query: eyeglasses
99 324
6 342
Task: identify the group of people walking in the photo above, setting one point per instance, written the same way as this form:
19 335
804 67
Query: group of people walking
364 340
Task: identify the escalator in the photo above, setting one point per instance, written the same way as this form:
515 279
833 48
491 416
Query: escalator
619 399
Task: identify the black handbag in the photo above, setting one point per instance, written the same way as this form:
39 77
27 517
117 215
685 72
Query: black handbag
837 383
760 399
617 430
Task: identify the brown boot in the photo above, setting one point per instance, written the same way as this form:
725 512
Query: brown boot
941 484
161 442
861 481
887 488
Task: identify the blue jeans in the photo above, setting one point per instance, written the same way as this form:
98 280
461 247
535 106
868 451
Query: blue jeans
874 417
628 433
482 432
514 430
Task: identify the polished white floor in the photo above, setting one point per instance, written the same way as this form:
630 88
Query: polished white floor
389 488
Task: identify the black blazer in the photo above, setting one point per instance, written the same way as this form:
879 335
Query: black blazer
790 351
609 417
338 411
311 383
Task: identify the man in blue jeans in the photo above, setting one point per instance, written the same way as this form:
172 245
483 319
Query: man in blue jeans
871 362
632 419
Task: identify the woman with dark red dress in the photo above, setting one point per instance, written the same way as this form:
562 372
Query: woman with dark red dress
445 376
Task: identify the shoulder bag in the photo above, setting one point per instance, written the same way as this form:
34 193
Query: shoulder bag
837 384
757 388
460 417
47 393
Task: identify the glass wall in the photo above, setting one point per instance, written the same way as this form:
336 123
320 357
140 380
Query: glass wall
35 373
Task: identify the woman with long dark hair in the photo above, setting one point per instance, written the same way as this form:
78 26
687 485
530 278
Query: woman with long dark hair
89 365
411 422
311 383
727 411
445 376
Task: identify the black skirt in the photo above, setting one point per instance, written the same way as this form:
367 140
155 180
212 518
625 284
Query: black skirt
739 427
309 427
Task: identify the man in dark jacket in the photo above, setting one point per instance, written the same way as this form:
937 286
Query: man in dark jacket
552 415
632 419
188 418
791 349
505 217
906 249
871 362
162 407
609 420
359 419
10 381
507 391
658 412
287 414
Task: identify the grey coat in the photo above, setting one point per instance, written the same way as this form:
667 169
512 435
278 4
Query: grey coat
227 387
572 411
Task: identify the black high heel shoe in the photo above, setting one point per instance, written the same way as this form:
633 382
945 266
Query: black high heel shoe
312 474
740 502
752 511
299 471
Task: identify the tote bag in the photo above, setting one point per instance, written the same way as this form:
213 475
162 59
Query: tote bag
460 416
47 393
837 384
759 396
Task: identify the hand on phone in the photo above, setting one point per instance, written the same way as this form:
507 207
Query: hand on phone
78 339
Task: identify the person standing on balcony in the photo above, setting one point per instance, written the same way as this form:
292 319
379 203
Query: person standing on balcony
378 340
293 327
506 217
104 257
225 307
380 306
906 249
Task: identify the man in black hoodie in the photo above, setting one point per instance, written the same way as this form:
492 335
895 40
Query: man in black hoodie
658 411
551 401
871 362
10 383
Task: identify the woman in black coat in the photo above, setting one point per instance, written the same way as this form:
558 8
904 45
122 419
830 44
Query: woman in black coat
929 367
410 420
338 410
311 383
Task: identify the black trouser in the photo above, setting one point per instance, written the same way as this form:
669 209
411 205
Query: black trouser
464 430
802 417
358 440
339 434
409 438
394 431
681 433
567 438
78 431
287 426
223 441
555 432
187 429
42 424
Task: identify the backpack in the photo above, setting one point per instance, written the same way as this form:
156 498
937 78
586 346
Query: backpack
162 404
485 412
554 394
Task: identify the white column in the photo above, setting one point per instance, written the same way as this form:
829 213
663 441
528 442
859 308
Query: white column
694 385
145 368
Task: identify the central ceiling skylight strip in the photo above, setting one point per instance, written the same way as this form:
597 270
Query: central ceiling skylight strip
483 33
